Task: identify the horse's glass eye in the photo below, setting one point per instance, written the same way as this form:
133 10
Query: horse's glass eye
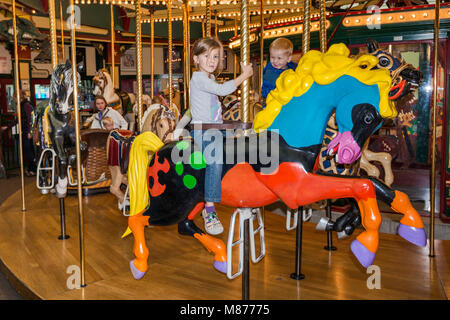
368 118
364 66
384 61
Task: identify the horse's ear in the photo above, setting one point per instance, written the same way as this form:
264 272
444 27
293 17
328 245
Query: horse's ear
372 45
68 65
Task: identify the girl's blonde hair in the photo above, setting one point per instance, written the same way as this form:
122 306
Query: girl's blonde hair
206 45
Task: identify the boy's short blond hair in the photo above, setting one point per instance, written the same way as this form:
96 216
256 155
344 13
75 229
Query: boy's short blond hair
107 121
282 44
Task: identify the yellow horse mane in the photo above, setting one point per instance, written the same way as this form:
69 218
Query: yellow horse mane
324 68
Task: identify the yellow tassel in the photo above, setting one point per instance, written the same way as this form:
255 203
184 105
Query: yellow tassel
127 232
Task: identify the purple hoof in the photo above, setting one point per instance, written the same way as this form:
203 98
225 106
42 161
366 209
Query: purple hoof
137 274
413 235
364 256
220 266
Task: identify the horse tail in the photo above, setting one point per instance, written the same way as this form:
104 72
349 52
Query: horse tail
137 183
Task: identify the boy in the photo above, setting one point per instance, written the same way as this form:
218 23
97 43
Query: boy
280 51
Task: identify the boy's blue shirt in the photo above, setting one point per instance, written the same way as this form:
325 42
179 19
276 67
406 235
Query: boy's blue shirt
270 76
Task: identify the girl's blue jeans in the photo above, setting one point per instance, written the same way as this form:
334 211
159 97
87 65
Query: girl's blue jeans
211 142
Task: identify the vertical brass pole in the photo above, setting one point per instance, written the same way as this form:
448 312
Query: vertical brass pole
245 58
261 48
433 139
152 39
187 73
215 24
53 41
208 18
61 22
77 141
235 56
113 39
203 28
323 28
169 53
18 107
306 25
139 62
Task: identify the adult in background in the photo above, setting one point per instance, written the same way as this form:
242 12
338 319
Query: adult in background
103 111
27 112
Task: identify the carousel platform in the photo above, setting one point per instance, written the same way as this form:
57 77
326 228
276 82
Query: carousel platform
40 266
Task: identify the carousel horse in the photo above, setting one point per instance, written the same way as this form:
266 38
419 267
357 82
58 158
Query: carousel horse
405 80
121 101
157 119
169 188
55 131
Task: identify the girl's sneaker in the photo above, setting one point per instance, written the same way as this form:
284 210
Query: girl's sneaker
212 223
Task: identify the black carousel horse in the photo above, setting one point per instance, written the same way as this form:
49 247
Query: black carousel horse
55 131
278 162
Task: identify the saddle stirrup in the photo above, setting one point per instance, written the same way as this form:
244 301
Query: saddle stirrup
306 217
123 203
257 215
292 226
74 183
46 169
244 214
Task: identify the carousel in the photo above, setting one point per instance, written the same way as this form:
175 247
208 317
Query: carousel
114 213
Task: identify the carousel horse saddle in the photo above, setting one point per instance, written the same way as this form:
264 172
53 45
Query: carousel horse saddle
119 149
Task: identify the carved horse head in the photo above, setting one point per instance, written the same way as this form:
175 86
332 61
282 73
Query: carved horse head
61 87
405 78
101 80
160 120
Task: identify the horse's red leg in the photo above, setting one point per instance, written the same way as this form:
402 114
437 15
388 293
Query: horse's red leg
139 265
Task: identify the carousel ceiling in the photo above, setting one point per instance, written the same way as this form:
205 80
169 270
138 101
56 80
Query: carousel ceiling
225 14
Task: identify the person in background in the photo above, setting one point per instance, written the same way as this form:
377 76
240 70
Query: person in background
108 123
280 51
27 111
95 121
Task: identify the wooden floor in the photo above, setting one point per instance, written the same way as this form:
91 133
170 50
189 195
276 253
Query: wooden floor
180 267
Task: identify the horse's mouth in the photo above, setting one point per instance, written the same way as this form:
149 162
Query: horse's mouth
397 90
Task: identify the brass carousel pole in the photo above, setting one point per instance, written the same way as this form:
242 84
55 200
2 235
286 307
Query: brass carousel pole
53 41
187 41
77 141
235 56
306 25
18 107
139 63
169 53
152 39
203 27
208 18
323 28
245 58
215 24
61 22
433 139
113 39
261 48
